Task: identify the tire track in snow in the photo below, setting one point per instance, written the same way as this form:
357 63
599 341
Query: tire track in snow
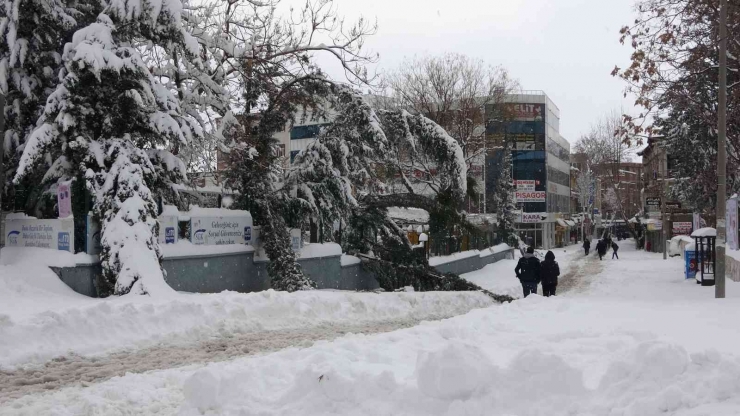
75 370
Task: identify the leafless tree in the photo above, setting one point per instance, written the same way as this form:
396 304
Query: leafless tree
607 147
251 55
453 90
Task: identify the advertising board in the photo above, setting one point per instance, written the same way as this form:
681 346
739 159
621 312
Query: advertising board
530 196
220 230
55 234
682 228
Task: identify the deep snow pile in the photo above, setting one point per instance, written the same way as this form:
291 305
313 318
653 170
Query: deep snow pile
641 341
41 318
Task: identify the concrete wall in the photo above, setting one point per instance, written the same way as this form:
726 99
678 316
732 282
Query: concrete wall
215 273
239 272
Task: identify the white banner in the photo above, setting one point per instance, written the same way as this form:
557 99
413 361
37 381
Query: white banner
731 223
214 230
64 199
167 229
55 234
525 185
697 221
530 196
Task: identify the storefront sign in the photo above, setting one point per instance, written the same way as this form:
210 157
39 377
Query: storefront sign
673 205
530 196
682 228
531 217
220 230
652 201
55 234
655 226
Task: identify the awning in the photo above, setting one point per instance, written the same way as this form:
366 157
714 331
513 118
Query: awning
571 223
562 223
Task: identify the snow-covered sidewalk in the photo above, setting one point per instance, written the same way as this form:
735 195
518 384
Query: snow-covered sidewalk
634 339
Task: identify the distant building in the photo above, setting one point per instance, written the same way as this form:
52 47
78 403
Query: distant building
655 161
529 125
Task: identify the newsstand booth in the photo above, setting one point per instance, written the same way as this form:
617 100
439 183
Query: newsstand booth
701 256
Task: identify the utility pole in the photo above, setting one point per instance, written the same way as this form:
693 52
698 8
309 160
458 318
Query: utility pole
664 213
2 152
719 271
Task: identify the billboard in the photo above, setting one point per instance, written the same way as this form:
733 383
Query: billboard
220 230
55 234
530 196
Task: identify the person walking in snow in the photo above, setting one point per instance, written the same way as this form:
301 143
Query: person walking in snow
550 272
528 272
615 247
601 249
586 245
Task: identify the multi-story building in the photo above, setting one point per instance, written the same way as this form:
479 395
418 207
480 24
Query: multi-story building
627 176
655 162
529 127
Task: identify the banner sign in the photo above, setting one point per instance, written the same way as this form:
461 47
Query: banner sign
652 201
55 234
214 230
530 196
64 200
525 185
167 229
682 228
731 224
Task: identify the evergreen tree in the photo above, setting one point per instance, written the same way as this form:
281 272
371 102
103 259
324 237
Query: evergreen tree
97 123
32 39
340 176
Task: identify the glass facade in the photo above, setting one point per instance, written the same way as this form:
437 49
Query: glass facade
539 153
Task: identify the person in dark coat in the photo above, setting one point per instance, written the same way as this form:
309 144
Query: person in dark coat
601 249
586 246
615 247
550 272
528 272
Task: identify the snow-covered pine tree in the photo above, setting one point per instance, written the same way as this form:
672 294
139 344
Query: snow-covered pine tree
341 176
32 37
107 110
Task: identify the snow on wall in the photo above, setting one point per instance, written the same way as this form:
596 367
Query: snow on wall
313 250
184 248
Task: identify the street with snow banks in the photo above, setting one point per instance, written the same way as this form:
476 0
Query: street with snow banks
623 337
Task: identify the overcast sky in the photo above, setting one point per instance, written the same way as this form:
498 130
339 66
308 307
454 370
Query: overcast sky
566 48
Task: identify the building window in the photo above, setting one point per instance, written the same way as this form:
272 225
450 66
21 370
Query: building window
306 132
